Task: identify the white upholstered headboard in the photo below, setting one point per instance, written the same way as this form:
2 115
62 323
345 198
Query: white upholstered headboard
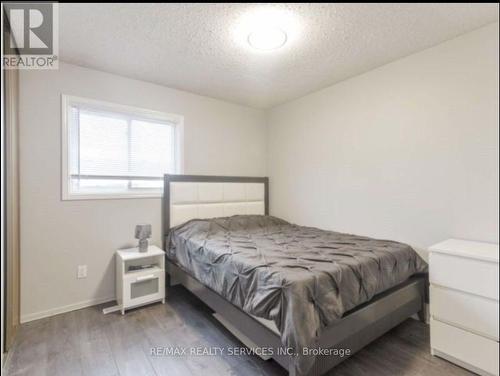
188 197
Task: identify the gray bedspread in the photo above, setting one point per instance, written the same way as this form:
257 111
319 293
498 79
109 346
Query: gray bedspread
302 278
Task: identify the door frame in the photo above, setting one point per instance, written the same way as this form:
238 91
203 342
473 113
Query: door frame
11 272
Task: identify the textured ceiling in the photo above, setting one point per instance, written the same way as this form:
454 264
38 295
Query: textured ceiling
198 48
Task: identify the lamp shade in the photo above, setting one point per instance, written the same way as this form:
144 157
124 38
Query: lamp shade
142 231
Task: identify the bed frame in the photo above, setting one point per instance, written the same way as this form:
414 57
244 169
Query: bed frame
354 331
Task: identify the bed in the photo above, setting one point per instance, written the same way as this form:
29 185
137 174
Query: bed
310 297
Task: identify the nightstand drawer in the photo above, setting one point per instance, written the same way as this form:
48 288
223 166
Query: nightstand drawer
474 276
475 313
470 348
143 287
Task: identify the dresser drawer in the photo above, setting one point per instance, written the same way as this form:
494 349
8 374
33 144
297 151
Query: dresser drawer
470 348
472 312
465 274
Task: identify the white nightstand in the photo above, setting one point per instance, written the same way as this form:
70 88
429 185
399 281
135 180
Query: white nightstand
136 287
464 304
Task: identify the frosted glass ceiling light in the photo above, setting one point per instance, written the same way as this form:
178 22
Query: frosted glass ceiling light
266 29
267 38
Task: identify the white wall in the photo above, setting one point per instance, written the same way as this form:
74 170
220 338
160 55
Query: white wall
408 151
56 236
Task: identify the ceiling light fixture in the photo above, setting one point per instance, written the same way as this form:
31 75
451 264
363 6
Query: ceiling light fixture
267 38
265 29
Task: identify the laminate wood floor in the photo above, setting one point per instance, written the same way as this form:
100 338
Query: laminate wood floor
86 342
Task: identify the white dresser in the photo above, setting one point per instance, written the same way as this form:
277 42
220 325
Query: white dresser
464 304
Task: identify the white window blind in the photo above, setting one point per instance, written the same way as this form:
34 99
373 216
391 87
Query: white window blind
118 152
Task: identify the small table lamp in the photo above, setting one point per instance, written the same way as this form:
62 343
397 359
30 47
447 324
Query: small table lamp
143 233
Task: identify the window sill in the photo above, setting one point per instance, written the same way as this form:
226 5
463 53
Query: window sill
109 196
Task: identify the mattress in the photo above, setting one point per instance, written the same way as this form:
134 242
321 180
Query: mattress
303 279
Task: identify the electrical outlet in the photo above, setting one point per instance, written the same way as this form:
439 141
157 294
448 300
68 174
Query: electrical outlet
81 271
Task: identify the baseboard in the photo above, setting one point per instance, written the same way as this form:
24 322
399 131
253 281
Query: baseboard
67 308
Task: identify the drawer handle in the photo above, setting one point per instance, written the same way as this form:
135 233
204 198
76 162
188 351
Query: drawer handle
145 278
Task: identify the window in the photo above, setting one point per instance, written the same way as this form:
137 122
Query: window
114 151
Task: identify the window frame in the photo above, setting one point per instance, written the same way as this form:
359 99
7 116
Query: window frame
68 100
